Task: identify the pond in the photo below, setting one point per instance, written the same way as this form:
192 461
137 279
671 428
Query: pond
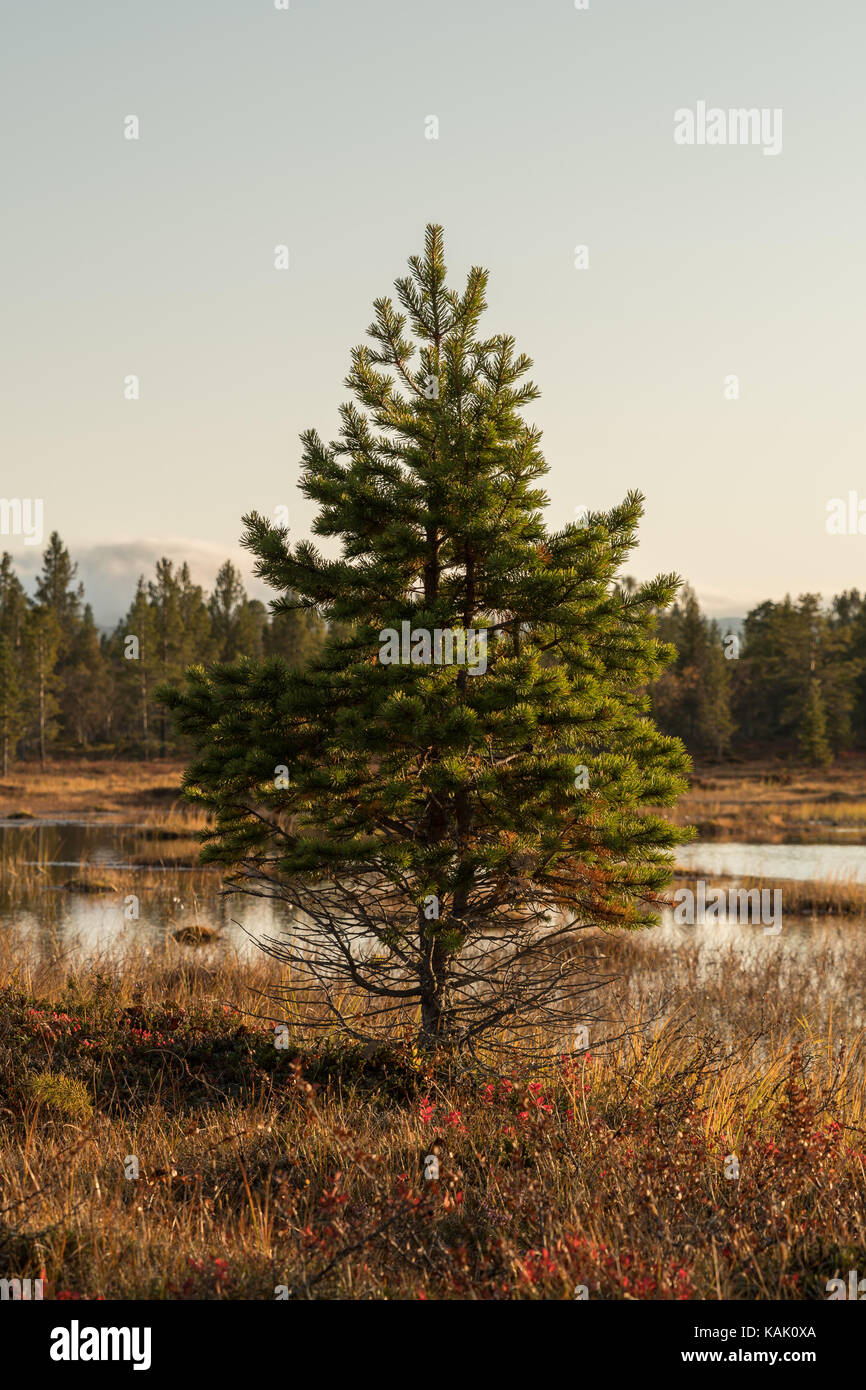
155 889
158 891
839 863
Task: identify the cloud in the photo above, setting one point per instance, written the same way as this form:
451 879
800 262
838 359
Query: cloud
110 572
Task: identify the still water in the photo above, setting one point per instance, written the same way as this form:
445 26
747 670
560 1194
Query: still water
839 863
157 892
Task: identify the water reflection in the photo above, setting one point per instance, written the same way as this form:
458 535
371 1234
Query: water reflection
843 863
155 895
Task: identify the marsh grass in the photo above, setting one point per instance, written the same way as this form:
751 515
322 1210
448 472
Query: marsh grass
777 805
808 898
301 1169
148 790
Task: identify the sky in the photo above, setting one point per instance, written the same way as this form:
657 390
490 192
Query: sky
308 128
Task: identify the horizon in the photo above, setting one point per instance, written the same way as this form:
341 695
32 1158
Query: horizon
100 576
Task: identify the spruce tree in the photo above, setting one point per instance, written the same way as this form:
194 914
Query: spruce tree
297 636
84 703
442 835
180 627
135 667
692 698
14 604
14 674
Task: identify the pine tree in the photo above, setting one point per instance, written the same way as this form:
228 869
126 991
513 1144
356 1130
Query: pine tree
854 607
195 642
134 662
715 720
13 701
83 702
60 599
236 623
13 602
252 627
42 638
465 825
14 609
55 591
812 731
692 698
787 646
297 636
180 627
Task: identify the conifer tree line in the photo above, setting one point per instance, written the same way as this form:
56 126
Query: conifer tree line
793 684
68 689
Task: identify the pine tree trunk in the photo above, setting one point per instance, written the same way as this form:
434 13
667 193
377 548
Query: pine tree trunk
144 711
42 719
435 1023
162 720
435 1013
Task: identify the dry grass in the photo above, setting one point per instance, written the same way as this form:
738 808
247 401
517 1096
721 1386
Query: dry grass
809 898
263 1169
759 802
772 804
150 791
302 1169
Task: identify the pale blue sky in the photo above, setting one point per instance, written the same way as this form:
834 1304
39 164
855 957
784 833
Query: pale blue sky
260 127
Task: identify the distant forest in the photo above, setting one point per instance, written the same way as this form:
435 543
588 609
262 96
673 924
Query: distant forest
792 683
68 690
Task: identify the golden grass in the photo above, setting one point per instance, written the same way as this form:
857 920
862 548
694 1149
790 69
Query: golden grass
760 802
809 898
101 788
260 1170
775 804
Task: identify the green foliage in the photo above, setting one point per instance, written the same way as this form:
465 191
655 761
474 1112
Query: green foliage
787 648
63 686
692 698
407 782
235 623
176 629
812 731
65 1094
42 640
55 592
13 699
